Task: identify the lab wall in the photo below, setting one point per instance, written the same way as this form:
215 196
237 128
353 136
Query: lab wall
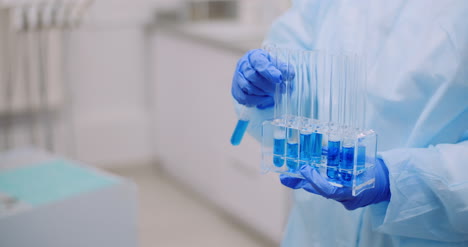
107 74
110 75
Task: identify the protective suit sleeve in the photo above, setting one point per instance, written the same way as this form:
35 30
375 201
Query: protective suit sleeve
429 189
429 186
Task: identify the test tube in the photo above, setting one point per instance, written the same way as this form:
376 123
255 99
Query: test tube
364 171
305 85
361 156
342 99
348 86
292 147
360 101
279 58
296 97
347 161
316 99
279 145
312 79
361 94
333 89
333 159
334 151
305 138
304 109
241 126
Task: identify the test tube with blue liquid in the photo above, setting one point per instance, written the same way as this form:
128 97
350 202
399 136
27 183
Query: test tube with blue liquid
313 139
346 168
292 149
281 148
333 152
333 159
292 107
279 145
305 153
317 139
241 126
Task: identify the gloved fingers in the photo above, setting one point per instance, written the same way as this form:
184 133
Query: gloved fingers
245 99
246 85
382 181
353 204
260 62
268 102
323 187
309 188
292 182
255 79
297 183
287 71
317 181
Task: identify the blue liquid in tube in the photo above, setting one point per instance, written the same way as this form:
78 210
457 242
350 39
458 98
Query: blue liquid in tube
333 159
239 132
278 152
316 151
305 149
292 155
346 166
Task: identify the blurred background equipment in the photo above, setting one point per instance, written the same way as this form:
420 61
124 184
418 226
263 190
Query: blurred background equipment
63 203
142 88
33 87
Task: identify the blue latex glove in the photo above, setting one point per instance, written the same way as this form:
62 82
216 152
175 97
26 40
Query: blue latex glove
255 79
315 183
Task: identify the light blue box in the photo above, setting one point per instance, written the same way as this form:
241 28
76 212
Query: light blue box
51 181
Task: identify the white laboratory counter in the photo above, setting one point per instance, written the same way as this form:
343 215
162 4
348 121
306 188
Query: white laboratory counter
193 66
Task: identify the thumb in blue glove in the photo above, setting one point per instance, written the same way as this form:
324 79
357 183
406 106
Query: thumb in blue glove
316 184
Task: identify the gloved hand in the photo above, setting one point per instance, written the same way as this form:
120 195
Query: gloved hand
315 183
255 79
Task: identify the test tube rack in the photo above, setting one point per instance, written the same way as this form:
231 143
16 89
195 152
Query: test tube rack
319 118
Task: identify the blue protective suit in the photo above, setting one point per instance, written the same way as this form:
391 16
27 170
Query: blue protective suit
417 64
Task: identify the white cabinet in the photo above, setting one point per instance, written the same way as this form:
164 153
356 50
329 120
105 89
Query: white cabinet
195 118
